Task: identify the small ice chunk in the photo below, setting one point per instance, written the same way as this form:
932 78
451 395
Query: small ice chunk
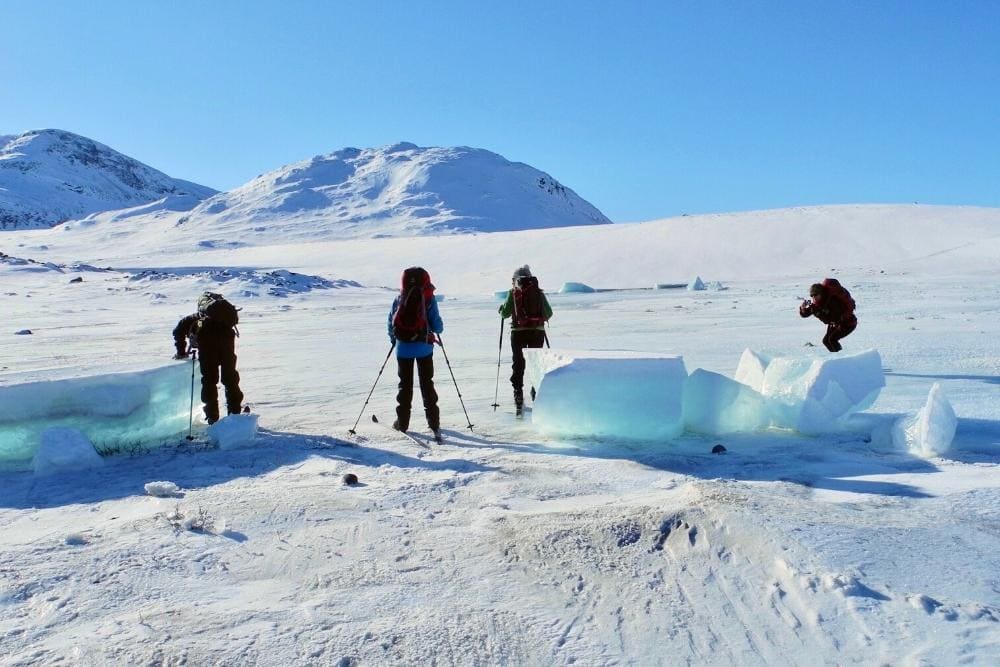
696 285
501 295
575 288
930 431
715 404
64 450
630 395
162 489
234 431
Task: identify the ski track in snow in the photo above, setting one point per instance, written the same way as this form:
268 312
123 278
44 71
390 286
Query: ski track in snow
500 547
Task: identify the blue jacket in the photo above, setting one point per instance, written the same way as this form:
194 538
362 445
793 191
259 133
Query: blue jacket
417 350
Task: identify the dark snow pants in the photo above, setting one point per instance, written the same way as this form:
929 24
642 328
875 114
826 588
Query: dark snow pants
404 398
217 357
520 339
836 331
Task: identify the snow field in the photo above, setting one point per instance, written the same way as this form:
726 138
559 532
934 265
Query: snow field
503 546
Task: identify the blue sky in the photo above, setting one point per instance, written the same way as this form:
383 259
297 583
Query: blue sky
646 109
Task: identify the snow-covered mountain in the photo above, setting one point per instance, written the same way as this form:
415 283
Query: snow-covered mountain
50 176
398 190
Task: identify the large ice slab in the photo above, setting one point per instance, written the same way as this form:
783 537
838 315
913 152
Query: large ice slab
813 394
121 411
715 404
930 431
628 395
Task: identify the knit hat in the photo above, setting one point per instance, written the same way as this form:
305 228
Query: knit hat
523 272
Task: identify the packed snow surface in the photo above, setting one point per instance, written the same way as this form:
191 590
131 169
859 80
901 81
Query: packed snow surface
505 546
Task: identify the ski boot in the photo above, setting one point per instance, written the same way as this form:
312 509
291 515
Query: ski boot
518 403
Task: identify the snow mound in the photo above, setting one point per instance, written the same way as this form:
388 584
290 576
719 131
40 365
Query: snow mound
234 431
117 412
50 176
930 431
162 489
398 190
62 449
628 395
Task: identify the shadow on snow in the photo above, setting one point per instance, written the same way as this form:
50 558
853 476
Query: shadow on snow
203 466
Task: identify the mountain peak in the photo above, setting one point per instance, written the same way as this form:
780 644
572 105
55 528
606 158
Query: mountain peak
49 176
396 190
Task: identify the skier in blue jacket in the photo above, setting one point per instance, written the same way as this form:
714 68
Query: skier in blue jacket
414 322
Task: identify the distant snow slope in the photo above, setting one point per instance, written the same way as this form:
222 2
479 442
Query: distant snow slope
811 241
49 176
399 190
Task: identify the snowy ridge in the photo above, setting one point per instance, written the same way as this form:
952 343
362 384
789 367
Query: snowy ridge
49 176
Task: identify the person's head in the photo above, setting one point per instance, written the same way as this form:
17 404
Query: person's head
522 272
816 289
415 276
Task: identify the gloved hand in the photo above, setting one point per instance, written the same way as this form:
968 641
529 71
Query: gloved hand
180 355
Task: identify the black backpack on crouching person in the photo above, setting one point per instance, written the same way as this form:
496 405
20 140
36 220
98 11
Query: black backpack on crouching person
409 322
529 311
215 310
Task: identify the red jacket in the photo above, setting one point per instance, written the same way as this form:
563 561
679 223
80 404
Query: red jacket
835 306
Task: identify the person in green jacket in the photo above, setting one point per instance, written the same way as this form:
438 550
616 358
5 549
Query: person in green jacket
529 310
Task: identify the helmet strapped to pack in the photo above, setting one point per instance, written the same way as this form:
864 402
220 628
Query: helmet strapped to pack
214 307
409 322
529 308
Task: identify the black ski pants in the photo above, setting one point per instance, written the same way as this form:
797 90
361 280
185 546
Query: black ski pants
836 331
404 398
520 339
217 357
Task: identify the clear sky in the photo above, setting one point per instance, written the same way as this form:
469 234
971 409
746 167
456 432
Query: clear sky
646 109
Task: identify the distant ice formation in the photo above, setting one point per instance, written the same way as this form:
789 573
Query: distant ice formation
575 288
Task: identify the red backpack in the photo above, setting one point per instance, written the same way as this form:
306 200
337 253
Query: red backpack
840 294
529 311
409 322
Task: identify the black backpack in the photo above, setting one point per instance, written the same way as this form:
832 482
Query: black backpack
529 309
214 307
409 322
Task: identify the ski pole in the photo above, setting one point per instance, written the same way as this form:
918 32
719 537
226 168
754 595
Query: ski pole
496 392
445 352
545 334
391 348
190 435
